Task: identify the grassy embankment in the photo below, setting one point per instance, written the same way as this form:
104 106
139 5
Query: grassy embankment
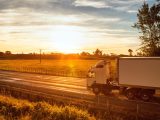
76 68
13 109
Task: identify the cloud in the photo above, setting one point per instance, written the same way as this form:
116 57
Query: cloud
104 10
132 11
91 3
24 16
85 13
2 40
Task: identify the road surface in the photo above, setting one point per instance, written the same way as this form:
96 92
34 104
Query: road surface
69 84
77 85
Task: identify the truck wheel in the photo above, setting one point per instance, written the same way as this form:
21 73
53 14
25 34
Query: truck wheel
145 96
96 90
130 94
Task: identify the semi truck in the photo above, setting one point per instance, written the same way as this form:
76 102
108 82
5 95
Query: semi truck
136 77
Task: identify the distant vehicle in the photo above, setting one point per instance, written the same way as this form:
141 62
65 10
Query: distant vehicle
137 77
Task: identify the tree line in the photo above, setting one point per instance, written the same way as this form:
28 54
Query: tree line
83 55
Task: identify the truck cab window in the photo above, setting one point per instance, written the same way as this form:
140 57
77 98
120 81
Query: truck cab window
99 66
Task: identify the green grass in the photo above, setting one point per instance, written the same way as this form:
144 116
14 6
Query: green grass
11 109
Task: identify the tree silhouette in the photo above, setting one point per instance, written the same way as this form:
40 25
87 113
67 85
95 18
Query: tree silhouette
84 53
130 52
97 52
149 25
8 52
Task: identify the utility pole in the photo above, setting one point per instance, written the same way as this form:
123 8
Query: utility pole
40 55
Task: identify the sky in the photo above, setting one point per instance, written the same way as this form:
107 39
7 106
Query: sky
69 26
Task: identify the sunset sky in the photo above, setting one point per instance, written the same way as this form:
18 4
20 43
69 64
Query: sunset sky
69 26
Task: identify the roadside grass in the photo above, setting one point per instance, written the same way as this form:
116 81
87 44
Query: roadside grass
17 109
2 117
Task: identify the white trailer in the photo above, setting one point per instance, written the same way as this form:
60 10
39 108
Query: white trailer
137 77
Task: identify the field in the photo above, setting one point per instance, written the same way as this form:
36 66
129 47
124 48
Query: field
76 68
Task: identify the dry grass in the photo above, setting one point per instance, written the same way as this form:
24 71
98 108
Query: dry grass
76 68
13 109
71 65
2 117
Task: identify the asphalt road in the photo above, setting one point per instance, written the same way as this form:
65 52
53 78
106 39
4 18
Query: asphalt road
70 84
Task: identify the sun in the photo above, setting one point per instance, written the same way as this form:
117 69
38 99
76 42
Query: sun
67 39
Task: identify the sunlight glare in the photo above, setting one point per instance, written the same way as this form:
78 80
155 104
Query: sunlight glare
67 38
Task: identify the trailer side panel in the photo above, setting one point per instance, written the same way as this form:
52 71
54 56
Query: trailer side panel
143 72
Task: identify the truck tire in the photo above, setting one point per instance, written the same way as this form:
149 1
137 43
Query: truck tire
146 95
96 89
131 94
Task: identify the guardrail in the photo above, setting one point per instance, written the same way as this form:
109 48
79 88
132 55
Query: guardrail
80 74
106 105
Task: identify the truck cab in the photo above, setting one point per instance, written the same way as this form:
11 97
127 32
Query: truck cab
98 76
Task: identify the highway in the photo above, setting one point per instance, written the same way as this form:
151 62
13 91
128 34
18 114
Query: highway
77 85
72 88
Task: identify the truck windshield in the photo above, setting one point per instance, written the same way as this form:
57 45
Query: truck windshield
99 66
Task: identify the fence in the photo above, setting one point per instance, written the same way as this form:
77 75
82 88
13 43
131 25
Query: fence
80 74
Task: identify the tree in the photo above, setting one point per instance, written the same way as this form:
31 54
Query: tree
149 25
130 52
97 52
1 53
85 54
8 52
